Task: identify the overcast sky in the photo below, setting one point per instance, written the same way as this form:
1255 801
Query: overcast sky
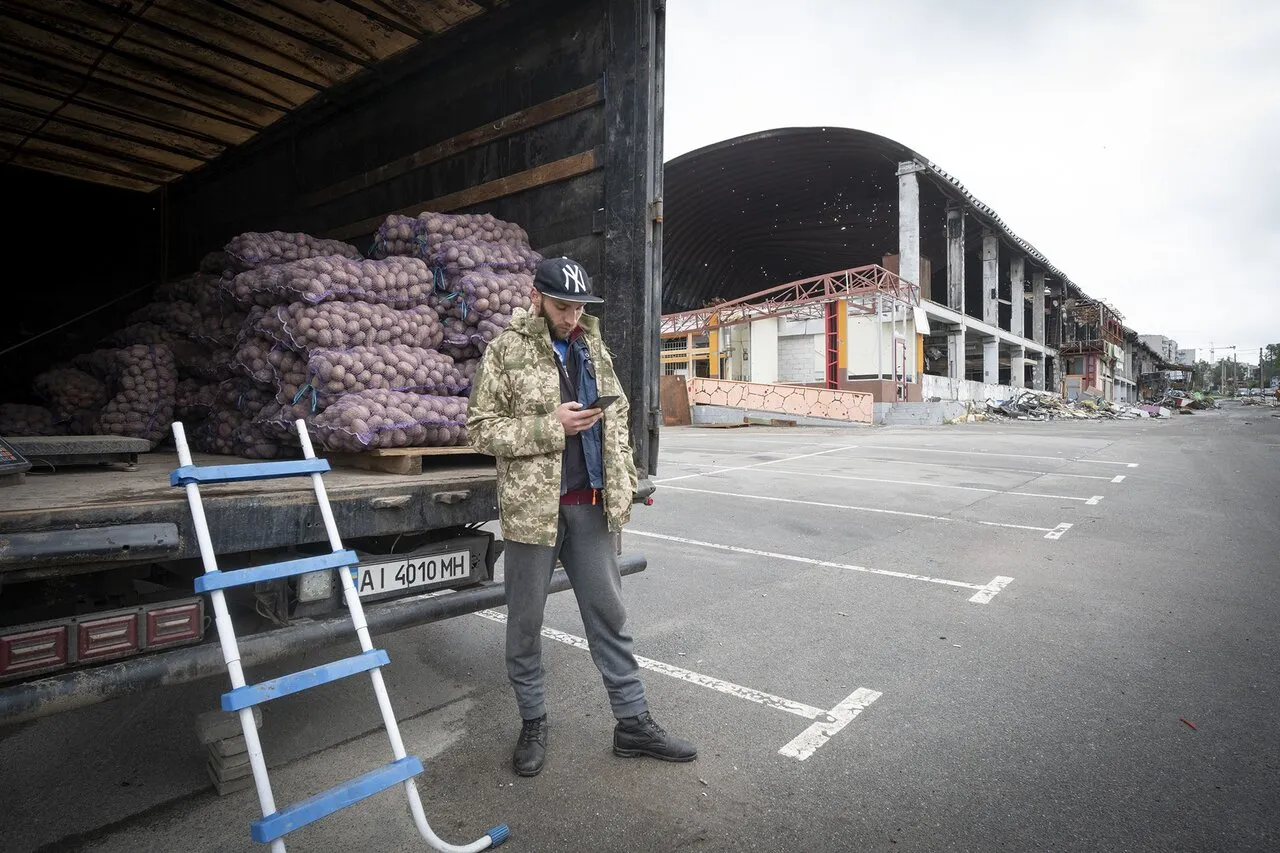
1135 143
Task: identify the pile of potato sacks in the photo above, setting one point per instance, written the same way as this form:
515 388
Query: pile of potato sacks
370 352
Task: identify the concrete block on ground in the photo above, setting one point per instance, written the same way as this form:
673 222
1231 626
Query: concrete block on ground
221 725
229 786
918 414
230 746
232 767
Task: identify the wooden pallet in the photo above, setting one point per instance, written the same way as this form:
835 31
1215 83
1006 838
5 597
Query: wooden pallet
405 460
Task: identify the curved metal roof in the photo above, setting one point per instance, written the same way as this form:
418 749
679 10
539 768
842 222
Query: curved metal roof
780 205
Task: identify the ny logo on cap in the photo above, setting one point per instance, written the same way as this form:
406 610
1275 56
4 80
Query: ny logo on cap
573 278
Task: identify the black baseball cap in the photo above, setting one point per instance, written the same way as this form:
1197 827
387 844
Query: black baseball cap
564 279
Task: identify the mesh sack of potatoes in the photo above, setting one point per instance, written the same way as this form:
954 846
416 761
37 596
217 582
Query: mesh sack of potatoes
380 419
421 236
259 248
179 317
264 361
481 294
277 421
341 325
245 396
463 341
398 282
394 367
195 399
99 363
217 263
468 367
456 257
204 363
252 441
145 385
217 433
20 419
70 390
221 330
142 333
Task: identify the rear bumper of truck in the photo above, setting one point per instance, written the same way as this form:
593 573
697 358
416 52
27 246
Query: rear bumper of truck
31 700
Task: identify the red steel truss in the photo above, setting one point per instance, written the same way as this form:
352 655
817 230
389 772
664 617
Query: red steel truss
800 299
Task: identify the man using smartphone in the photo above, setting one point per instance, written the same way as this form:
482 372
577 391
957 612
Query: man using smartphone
566 481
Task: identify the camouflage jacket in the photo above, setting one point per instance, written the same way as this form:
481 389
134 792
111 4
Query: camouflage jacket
514 396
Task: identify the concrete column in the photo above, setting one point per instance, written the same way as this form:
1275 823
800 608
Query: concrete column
1016 367
955 354
1017 278
909 224
1037 311
991 361
955 259
990 278
1037 381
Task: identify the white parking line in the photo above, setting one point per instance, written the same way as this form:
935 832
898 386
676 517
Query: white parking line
1090 500
808 741
799 748
1009 455
991 590
757 464
1118 478
1056 533
988 590
870 509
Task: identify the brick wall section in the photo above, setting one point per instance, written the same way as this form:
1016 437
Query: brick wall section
797 361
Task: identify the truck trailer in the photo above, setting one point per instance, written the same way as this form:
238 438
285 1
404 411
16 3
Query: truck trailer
153 133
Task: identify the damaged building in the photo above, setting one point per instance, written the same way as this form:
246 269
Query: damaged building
840 259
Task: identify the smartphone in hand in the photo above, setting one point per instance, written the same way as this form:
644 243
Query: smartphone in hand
602 402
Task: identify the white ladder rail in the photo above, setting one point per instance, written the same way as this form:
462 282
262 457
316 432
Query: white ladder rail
352 598
227 637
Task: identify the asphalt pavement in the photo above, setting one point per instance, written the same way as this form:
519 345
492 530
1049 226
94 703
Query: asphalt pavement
1012 636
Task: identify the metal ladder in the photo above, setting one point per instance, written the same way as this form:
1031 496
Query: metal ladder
277 823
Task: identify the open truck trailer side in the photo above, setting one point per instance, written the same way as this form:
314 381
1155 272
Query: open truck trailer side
546 114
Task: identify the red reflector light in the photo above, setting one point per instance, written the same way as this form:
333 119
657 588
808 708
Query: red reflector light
101 638
32 651
179 624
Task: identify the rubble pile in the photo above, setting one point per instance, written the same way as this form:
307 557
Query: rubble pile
1045 406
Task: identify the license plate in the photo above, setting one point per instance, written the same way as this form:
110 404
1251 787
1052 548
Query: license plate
411 572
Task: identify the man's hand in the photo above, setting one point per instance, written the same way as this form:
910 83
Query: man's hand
576 419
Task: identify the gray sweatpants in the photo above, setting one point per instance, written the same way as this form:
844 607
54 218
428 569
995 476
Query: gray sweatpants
586 548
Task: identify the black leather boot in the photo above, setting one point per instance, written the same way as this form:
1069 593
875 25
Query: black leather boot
531 747
636 736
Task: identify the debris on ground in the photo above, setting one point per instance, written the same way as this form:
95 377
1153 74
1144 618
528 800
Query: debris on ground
1046 406
1269 402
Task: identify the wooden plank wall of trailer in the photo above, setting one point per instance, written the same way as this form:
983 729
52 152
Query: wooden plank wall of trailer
504 115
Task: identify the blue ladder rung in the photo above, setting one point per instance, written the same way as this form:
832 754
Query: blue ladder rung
249 471
217 579
296 682
280 823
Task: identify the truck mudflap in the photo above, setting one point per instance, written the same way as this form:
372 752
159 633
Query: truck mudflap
68 691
